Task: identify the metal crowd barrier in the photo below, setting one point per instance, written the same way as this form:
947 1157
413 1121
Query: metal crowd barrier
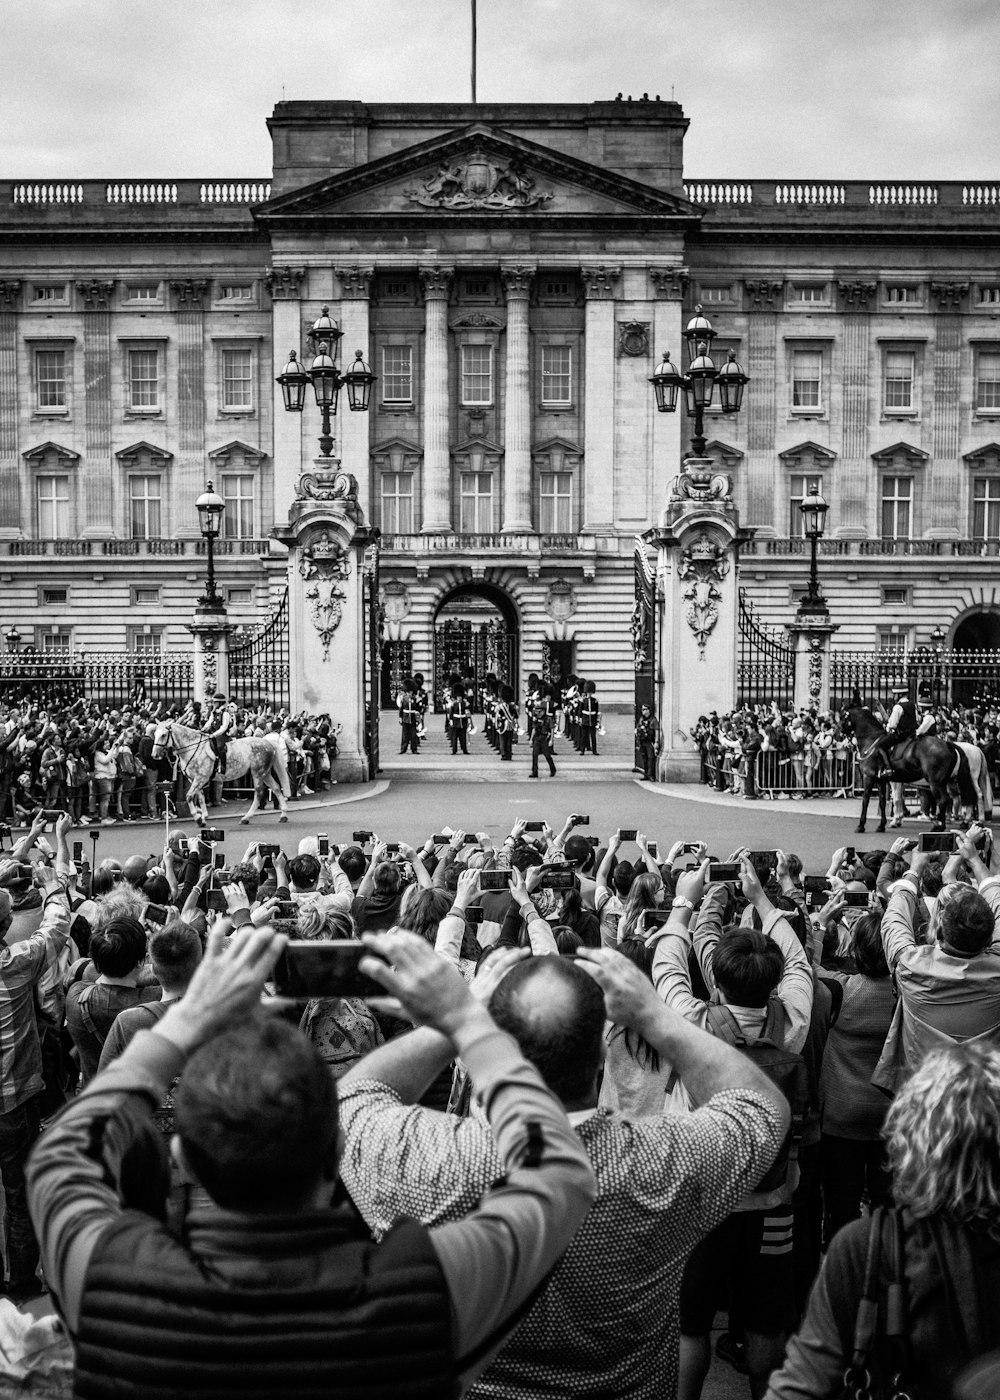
777 774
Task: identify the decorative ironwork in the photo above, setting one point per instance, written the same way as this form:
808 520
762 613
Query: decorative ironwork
259 671
644 641
373 614
944 677
473 651
766 668
109 678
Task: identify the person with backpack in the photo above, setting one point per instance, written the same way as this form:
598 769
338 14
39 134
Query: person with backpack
761 989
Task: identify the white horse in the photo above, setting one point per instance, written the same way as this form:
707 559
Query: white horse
261 758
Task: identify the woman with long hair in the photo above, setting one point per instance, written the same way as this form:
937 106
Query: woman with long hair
342 1028
931 1266
635 1078
645 895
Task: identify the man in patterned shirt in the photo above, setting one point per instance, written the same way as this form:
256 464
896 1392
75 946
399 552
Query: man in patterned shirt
607 1322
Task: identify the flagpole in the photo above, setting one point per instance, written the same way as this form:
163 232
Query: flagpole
473 50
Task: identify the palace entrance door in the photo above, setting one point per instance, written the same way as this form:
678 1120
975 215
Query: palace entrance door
475 634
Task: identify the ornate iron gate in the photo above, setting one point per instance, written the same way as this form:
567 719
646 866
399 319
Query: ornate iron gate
259 664
943 677
113 678
644 643
766 668
473 652
374 625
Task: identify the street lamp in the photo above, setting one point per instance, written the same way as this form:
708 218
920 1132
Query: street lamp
814 510
700 380
13 640
324 336
211 508
938 638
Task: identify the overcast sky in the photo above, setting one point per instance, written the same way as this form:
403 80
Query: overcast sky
894 89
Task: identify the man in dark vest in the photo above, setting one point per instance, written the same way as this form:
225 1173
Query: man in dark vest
900 727
272 1287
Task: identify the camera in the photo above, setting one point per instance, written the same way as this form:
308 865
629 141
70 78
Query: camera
721 872
392 848
50 815
4 830
558 877
939 841
324 969
323 843
439 839
213 834
689 848
361 836
494 879
815 884
579 821
157 913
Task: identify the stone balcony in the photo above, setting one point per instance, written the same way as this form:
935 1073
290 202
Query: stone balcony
873 548
94 549
527 551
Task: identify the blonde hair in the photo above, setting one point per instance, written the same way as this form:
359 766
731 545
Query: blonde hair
124 901
943 1137
315 920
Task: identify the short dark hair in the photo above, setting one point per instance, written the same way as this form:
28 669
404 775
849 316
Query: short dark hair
747 966
303 871
523 857
256 1112
965 921
118 947
387 879
352 862
866 946
578 852
566 1050
157 889
175 950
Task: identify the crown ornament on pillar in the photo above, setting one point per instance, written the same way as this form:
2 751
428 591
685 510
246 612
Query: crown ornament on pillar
700 480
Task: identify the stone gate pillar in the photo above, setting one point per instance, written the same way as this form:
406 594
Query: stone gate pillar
697 545
810 638
210 630
326 537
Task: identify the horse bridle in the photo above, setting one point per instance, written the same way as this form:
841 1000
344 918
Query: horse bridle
192 748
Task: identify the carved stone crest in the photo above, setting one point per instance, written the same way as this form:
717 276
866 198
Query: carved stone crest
328 486
396 601
478 183
560 602
703 565
633 338
325 566
699 481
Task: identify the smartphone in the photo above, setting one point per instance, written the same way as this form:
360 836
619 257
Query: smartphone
475 915
722 872
850 854
494 879
594 841
323 843
220 860
214 834
629 833
816 884
579 821
534 826
216 901
656 918
361 836
95 836
558 877
308 968
653 849
392 848
689 848
938 841
286 909
157 913
51 815
764 860
439 839
269 852
855 899
77 850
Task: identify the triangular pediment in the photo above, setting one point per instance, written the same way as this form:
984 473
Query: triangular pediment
144 454
724 453
479 171
477 450
807 454
51 451
900 454
556 449
236 452
984 457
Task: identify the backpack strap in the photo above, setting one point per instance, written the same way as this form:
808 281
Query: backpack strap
83 1007
858 1376
896 1332
775 1023
723 1024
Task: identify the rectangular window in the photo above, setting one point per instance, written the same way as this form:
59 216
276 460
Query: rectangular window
145 597
60 639
144 505
989 296
555 496
557 374
808 291
897 388
397 290
807 379
237 379
986 508
143 379
236 291
557 287
988 380
476 506
893 639
897 294
477 374
237 522
897 500
799 488
146 641
50 378
52 495
143 291
55 293
54 595
478 287
896 597
397 374
716 293
397 503
242 597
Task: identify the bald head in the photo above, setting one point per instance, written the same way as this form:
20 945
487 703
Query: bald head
555 1012
134 870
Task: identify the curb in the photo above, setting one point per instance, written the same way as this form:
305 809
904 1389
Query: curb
697 792
231 811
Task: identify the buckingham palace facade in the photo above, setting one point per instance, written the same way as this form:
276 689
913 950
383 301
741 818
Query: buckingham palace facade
513 274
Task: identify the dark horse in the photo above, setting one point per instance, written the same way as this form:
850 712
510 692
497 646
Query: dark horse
932 760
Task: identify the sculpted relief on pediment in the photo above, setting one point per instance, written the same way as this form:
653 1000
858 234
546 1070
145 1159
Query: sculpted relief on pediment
479 182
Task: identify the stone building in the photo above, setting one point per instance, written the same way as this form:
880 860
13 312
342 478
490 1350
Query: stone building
512 273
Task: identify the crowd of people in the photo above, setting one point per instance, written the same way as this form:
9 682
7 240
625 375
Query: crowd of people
98 763
509 1113
809 752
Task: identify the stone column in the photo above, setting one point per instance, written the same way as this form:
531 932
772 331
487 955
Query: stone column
327 536
698 610
763 299
854 476
355 285
210 630
947 488
599 397
436 512
189 302
670 284
517 405
285 286
97 479
810 637
11 525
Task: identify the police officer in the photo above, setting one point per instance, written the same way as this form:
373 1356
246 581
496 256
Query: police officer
647 733
900 726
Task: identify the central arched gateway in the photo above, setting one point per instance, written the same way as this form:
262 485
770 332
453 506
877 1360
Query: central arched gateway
975 647
475 633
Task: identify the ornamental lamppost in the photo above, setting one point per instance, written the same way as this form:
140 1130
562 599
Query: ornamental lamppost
938 638
211 508
700 380
326 378
814 510
13 641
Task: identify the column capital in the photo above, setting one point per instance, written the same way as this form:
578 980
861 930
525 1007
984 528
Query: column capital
599 282
9 292
436 282
949 295
96 295
670 282
190 293
355 282
284 282
856 296
763 294
517 280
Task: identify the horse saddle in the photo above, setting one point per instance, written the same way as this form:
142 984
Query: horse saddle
903 754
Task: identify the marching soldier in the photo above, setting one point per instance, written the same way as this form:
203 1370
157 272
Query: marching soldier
570 704
533 687
459 715
490 699
590 719
506 722
647 733
423 700
542 726
409 716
